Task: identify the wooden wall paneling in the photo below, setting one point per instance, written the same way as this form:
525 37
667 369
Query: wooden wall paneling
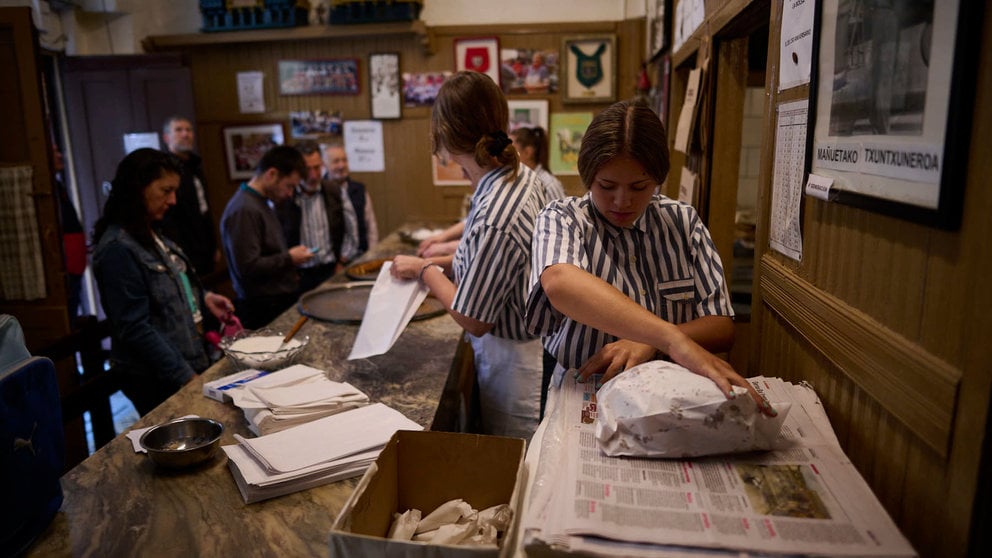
923 340
405 191
730 66
676 91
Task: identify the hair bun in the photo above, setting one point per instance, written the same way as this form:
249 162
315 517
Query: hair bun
499 142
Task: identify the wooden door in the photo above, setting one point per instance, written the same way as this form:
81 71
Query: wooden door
109 96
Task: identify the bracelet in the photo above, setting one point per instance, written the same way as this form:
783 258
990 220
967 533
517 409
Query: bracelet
428 265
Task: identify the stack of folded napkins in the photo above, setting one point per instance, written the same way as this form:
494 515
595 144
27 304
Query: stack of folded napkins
322 451
293 396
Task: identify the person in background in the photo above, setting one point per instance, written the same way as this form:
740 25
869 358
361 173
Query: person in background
624 275
148 288
532 145
314 217
263 270
73 238
491 266
361 230
188 223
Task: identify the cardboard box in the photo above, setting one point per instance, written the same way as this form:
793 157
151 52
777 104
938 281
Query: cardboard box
423 470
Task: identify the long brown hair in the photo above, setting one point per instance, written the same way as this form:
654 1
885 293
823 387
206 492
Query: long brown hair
470 115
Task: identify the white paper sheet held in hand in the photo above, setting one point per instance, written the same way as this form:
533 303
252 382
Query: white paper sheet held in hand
392 303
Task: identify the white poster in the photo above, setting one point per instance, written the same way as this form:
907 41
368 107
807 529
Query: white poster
796 51
363 143
251 96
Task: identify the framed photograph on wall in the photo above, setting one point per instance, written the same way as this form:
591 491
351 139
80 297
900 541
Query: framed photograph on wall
565 137
589 69
480 54
528 71
420 90
893 95
528 114
384 85
446 172
245 145
319 77
659 20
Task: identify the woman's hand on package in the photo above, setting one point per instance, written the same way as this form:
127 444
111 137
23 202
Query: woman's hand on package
614 358
697 359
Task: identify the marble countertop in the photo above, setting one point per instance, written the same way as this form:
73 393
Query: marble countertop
118 503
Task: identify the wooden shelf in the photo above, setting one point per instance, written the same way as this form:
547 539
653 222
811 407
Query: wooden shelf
302 33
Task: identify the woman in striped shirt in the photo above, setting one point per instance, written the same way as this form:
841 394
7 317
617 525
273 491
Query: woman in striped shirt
532 145
623 273
491 266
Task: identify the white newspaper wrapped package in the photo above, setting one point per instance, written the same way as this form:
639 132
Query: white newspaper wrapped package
660 409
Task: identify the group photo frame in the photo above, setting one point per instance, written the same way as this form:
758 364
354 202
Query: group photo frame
589 65
245 145
889 107
332 76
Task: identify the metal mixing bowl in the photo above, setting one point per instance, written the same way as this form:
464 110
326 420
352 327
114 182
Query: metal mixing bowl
182 442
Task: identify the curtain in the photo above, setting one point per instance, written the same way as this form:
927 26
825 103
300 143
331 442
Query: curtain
22 271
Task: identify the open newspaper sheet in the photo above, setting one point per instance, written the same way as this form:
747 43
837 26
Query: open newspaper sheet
805 499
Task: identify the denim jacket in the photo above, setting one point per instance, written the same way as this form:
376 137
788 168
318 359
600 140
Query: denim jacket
152 328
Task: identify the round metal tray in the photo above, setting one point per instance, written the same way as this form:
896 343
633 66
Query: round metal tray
365 271
345 304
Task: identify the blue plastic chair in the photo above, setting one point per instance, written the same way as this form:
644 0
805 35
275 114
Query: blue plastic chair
32 447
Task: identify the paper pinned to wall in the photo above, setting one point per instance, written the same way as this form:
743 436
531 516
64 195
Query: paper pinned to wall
687 117
687 185
363 143
787 184
251 96
796 49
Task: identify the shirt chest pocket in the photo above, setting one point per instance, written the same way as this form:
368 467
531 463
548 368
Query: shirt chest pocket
677 298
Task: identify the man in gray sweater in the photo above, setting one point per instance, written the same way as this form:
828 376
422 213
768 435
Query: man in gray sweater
263 270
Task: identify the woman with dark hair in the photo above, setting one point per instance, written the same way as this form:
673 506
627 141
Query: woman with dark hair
492 263
624 275
532 145
148 287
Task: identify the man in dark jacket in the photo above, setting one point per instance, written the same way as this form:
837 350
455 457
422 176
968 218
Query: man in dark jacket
188 223
314 218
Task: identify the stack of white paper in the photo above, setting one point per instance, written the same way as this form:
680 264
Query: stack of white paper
312 454
293 396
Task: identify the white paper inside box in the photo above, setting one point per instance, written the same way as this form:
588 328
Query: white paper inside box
422 470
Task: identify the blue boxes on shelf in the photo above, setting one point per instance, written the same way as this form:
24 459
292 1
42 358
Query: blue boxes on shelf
239 15
374 11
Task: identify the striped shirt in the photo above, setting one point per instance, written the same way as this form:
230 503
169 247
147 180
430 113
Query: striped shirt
666 262
492 263
552 186
314 229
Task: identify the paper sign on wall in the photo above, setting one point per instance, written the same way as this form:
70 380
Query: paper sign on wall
363 143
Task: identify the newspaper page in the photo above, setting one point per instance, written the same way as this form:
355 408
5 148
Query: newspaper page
804 498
